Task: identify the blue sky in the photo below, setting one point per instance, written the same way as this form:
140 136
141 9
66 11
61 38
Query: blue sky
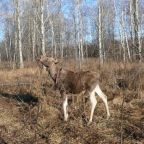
1 29
5 6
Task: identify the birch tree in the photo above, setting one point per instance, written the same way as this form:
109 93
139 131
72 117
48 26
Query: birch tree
126 36
135 29
53 44
100 34
33 39
19 33
42 28
34 32
122 37
79 27
15 38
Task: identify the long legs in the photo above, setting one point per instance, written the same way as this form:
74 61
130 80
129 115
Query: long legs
93 101
65 108
104 99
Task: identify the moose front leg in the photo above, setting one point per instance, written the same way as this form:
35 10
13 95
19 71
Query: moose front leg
65 104
65 107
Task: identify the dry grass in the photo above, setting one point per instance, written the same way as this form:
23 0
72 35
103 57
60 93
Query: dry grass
32 114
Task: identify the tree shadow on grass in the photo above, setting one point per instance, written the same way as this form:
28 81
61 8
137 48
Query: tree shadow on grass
24 98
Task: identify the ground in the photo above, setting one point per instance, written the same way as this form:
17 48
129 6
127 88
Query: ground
31 110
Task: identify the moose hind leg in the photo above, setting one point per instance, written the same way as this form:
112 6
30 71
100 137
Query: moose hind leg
93 102
104 99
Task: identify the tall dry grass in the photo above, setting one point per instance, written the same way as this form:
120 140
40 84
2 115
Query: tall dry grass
33 114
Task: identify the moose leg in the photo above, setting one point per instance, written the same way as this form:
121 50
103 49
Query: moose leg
65 107
104 99
93 102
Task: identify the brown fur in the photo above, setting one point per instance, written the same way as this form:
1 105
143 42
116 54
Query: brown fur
74 82
69 81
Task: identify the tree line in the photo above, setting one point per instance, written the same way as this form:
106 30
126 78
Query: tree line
106 29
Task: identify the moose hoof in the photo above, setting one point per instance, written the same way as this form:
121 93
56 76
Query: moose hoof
66 118
108 116
89 123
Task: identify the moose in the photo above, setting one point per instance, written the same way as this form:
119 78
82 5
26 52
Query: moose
67 81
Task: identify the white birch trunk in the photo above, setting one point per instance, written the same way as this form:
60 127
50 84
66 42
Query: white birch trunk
42 26
122 31
79 26
75 36
6 49
137 31
33 40
54 48
81 39
53 44
132 20
15 40
126 39
100 36
0 58
128 48
135 28
81 34
19 35
10 47
62 43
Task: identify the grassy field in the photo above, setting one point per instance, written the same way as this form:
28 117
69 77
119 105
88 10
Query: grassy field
31 111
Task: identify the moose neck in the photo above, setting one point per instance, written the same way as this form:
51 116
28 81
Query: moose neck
53 71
